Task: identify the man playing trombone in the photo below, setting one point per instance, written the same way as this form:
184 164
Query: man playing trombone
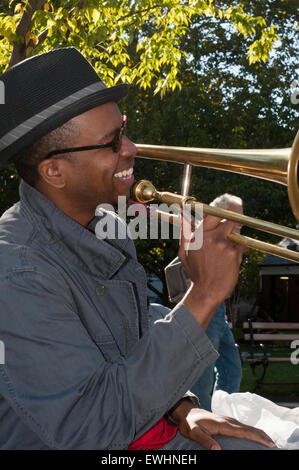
83 370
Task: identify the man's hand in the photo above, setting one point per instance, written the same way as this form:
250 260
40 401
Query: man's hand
201 425
213 269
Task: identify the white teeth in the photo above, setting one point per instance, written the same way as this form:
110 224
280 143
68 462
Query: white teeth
124 174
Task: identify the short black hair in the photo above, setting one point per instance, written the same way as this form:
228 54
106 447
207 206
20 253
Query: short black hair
27 161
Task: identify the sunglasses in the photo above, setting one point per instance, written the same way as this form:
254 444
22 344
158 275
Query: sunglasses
115 143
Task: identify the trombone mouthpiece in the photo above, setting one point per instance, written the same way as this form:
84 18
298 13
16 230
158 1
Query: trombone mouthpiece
144 191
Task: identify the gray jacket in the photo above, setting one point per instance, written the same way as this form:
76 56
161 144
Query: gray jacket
82 369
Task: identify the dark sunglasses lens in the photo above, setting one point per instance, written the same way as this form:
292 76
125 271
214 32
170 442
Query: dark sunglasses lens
117 143
118 139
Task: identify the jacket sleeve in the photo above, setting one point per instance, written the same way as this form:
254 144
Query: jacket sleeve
158 312
57 380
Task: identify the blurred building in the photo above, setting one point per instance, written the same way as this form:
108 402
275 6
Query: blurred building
279 296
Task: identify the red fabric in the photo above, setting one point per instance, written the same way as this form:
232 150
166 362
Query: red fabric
158 436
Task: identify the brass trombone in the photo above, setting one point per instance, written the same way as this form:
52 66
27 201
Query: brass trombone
278 165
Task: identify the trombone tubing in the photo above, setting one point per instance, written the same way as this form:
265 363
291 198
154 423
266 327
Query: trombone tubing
265 226
145 191
242 240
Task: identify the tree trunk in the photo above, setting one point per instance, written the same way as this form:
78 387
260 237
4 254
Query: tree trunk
25 26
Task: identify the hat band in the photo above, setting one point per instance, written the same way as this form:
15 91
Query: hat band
22 129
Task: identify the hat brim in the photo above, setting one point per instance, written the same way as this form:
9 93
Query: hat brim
112 94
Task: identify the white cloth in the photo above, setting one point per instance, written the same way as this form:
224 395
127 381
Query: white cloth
279 422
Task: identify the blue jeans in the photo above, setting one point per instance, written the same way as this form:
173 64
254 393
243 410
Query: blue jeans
228 365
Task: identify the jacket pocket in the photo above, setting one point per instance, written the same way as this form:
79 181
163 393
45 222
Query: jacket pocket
117 306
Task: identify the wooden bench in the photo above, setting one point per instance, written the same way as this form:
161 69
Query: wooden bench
276 335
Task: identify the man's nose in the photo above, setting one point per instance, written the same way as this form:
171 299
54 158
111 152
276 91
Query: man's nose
128 148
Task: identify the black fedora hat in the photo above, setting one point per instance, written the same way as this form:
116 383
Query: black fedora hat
45 91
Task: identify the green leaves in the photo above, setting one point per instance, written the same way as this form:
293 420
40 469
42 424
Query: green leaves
137 42
8 27
260 49
248 26
92 14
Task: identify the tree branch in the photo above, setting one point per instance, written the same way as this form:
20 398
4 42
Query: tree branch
24 26
41 38
137 12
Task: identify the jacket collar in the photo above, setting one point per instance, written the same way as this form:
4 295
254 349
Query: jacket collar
72 241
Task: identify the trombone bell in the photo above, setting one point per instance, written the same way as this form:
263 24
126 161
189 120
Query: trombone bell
277 165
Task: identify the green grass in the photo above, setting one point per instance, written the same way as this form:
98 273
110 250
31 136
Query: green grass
283 375
279 373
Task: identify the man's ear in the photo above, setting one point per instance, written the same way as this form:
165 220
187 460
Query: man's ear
52 172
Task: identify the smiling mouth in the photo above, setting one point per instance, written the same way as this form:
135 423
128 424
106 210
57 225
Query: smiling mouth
124 175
